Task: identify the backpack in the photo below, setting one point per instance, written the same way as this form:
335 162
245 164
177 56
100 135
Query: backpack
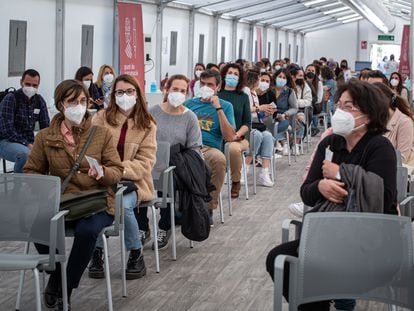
5 92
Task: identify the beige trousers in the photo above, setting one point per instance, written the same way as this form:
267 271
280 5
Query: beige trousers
235 149
216 160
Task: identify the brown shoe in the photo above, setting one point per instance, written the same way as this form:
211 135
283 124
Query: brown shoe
235 189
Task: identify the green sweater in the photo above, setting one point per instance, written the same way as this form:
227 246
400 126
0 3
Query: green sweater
241 107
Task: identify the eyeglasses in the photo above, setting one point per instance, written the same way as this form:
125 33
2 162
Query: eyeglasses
82 102
347 105
129 92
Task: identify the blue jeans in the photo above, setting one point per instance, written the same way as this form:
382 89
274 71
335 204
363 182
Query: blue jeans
345 304
132 240
14 152
264 142
282 126
86 231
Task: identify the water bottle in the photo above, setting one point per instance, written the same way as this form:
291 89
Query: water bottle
261 115
153 87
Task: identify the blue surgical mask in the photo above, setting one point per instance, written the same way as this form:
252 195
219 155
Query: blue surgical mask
280 82
232 80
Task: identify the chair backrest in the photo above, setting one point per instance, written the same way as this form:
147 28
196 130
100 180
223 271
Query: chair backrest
161 164
402 183
398 156
27 204
355 255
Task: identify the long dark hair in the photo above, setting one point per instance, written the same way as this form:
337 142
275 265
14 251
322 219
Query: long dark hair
315 80
395 101
142 118
400 86
289 81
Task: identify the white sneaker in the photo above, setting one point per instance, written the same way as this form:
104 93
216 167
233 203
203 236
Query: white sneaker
249 170
265 180
285 151
277 156
296 209
279 147
296 150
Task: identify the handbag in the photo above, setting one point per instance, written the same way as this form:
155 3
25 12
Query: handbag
83 203
259 126
130 186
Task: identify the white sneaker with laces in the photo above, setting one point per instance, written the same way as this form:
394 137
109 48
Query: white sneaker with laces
285 151
264 179
277 156
296 209
279 147
296 150
249 172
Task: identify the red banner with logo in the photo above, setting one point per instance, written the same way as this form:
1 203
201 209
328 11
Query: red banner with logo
404 68
131 41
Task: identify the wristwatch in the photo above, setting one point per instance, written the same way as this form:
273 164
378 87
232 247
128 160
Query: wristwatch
219 108
257 109
338 176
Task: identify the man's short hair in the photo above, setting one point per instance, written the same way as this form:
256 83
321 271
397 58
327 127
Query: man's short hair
211 74
30 72
378 74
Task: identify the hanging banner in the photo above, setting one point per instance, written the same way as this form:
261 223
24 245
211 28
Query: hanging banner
131 41
404 68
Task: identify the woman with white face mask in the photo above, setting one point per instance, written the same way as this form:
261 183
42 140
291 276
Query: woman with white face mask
176 124
359 122
54 151
198 69
397 86
104 82
133 130
85 75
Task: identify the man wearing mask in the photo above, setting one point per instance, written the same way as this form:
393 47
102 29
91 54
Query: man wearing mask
19 111
216 120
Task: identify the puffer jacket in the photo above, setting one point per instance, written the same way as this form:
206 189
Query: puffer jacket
140 150
51 156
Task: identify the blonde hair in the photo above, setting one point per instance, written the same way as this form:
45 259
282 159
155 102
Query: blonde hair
99 78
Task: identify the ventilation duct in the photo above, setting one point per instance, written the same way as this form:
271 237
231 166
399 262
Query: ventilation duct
375 12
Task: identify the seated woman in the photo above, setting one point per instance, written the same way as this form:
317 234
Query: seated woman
133 129
53 153
358 125
397 85
103 83
198 69
232 82
400 125
264 140
286 102
176 124
85 75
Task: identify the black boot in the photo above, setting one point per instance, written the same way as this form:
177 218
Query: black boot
96 269
136 265
50 295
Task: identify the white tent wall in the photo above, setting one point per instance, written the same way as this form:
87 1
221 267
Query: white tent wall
40 44
203 25
98 13
225 30
342 42
243 34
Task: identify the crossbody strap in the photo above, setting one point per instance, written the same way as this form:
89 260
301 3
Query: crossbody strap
75 166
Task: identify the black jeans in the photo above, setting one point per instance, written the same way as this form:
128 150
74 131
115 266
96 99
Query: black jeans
291 249
86 231
165 217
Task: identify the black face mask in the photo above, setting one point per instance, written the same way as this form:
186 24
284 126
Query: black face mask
310 75
299 82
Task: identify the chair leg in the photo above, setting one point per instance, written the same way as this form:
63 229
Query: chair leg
272 166
123 262
244 171
64 285
173 238
288 145
254 176
21 281
221 208
107 273
155 230
37 289
191 244
229 190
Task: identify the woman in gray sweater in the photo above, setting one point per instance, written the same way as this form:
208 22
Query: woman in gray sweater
176 124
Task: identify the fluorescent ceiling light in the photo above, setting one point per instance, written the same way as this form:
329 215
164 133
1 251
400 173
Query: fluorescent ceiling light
348 16
314 2
328 5
336 10
351 19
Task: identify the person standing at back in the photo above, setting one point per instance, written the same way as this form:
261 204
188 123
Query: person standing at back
19 112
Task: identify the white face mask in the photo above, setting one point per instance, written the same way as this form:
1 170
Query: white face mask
394 82
198 73
277 67
125 102
263 86
176 99
206 92
75 114
29 91
87 83
343 123
108 78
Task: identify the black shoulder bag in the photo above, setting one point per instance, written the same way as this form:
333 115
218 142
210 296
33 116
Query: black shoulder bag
84 203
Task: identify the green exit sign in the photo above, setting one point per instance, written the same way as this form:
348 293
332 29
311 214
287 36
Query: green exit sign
386 37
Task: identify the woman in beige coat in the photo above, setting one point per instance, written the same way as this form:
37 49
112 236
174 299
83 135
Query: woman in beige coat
134 136
54 152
